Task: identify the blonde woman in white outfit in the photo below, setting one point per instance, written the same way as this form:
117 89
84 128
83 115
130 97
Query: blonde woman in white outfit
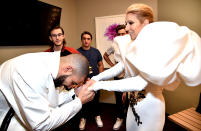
154 56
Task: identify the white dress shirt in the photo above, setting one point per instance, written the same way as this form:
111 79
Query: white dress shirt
26 83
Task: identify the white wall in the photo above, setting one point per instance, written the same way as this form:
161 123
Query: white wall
87 10
184 12
68 19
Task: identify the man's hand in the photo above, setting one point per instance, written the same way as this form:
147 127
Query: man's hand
85 94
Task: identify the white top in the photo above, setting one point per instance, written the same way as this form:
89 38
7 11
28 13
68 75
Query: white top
27 84
163 53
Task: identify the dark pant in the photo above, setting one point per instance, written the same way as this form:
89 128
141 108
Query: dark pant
89 110
93 107
120 106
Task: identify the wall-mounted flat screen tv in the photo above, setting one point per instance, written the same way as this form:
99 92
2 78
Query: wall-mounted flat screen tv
26 22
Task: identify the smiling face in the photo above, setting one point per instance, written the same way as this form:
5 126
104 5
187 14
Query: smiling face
133 25
57 37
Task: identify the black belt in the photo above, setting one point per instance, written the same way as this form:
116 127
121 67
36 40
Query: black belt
6 120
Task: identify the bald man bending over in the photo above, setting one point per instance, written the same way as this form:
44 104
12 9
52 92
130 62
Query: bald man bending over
27 86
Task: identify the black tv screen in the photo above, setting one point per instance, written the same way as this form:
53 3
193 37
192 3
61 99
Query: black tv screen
26 22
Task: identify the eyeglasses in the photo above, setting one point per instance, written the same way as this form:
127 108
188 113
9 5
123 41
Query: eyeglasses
55 35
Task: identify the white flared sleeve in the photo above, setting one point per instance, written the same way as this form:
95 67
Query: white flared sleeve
110 73
190 68
164 52
136 83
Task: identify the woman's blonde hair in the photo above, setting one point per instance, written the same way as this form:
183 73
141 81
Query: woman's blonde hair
142 11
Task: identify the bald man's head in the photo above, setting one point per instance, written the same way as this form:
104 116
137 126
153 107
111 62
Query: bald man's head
78 62
73 71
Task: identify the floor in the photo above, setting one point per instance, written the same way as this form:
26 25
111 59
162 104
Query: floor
108 118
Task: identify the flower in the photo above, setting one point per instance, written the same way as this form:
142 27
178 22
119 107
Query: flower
111 31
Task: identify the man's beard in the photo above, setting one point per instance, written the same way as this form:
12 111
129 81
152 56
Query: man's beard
60 80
